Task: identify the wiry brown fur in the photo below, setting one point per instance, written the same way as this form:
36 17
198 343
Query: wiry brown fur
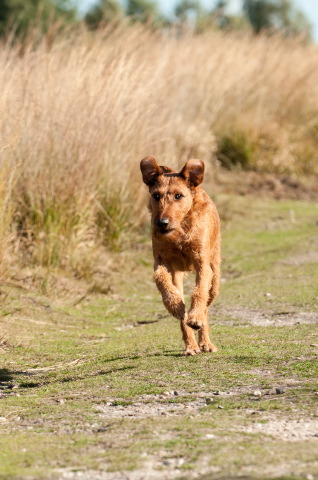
185 236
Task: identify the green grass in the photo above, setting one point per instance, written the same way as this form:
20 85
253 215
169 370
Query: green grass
62 364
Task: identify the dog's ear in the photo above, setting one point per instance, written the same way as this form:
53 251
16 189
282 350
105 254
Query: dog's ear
193 172
150 170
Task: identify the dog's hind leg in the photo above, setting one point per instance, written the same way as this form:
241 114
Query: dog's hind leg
191 346
215 265
215 284
205 343
177 280
204 337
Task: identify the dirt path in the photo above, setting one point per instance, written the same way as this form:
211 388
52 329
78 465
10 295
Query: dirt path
242 316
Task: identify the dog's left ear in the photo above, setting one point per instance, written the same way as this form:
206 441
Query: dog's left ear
193 172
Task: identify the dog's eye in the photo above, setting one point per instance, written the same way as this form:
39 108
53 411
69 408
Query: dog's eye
178 196
156 196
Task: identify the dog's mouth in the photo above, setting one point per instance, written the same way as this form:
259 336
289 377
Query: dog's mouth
165 231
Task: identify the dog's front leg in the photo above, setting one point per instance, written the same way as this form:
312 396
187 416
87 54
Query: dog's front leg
198 314
171 296
170 287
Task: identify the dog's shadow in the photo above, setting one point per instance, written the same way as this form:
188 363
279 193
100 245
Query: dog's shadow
166 353
10 378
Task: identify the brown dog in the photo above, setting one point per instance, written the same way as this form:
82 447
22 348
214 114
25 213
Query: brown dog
185 236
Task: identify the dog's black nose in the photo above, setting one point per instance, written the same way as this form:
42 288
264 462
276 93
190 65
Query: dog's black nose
163 222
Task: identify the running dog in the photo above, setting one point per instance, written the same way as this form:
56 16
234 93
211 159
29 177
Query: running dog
185 237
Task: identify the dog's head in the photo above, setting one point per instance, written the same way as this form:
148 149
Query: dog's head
172 193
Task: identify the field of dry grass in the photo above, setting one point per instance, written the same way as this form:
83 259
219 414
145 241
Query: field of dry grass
78 114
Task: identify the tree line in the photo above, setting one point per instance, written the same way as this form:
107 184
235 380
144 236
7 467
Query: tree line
17 17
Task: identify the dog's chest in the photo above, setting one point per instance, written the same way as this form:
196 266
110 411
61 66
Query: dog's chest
179 255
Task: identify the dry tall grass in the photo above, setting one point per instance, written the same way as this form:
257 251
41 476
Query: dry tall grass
77 117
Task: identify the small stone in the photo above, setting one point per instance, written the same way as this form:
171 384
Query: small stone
280 390
257 393
209 401
176 393
314 344
3 419
267 294
209 435
220 406
218 392
166 394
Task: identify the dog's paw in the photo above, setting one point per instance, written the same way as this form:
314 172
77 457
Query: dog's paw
208 347
191 350
196 322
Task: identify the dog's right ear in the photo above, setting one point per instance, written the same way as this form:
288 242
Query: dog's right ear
150 170
193 171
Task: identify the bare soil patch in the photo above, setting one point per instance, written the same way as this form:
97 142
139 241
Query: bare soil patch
261 318
153 469
151 406
285 429
302 258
